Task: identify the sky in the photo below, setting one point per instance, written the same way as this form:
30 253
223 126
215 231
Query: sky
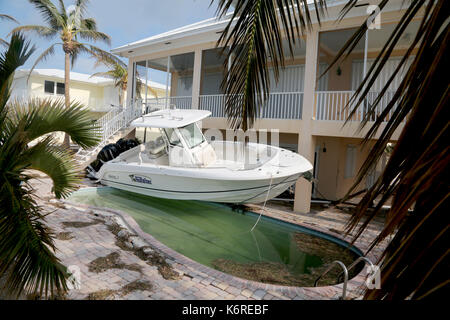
124 21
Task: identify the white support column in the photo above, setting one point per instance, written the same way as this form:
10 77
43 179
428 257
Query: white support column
167 82
130 82
306 142
196 78
146 84
366 44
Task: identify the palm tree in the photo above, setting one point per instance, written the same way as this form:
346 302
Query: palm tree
70 26
9 18
27 258
415 263
118 71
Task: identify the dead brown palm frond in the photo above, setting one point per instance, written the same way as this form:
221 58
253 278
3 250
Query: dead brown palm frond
415 262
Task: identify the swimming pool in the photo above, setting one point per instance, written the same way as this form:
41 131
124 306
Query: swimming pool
216 236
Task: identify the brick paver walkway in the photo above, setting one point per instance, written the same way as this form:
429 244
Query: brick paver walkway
134 278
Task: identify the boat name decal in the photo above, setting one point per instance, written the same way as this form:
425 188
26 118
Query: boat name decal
112 176
140 179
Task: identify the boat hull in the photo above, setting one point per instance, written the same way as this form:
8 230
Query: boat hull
267 172
191 188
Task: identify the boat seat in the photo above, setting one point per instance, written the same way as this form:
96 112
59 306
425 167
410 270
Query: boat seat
155 148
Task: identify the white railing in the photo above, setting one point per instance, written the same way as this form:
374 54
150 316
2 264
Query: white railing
279 105
182 102
332 105
283 105
214 103
108 125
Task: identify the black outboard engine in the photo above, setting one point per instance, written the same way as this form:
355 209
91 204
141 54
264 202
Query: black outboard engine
108 153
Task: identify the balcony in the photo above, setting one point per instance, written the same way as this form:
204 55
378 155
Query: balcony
331 106
280 105
183 102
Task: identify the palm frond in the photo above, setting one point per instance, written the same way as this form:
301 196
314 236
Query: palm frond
42 31
50 13
253 34
18 52
55 162
92 35
108 59
75 18
4 43
26 258
43 116
89 24
7 17
106 74
62 9
414 265
82 5
42 57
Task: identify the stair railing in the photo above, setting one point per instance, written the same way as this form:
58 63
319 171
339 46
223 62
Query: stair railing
108 125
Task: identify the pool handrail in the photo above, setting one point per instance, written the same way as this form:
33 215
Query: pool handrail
342 265
354 263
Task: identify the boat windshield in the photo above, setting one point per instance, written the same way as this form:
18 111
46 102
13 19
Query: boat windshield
172 136
192 135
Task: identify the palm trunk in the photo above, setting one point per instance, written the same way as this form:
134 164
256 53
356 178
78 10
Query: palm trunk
122 94
121 97
66 142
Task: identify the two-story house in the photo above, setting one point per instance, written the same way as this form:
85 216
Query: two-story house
308 110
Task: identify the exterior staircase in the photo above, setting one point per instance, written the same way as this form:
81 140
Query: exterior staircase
111 127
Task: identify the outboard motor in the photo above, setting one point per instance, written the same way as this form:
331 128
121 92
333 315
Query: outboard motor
109 152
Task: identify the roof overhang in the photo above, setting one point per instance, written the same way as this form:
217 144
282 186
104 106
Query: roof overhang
170 118
211 29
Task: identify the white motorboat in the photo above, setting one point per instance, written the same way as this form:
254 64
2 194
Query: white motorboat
179 163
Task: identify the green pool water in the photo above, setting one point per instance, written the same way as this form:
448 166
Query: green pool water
205 231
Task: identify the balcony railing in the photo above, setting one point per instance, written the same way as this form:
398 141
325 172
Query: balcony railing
331 105
279 105
328 105
182 102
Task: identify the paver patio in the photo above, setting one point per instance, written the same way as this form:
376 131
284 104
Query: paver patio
195 281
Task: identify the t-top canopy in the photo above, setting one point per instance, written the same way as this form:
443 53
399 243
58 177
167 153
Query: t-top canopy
170 118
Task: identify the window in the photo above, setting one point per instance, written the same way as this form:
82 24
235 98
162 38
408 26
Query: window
350 162
49 87
172 136
60 88
192 135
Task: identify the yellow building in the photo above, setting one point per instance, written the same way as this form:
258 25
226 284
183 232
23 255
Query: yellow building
308 110
97 93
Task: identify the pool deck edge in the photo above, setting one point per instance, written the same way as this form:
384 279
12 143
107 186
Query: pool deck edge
192 268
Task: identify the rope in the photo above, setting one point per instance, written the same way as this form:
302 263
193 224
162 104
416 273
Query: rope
265 201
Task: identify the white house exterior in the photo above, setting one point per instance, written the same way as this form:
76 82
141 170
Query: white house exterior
97 93
307 110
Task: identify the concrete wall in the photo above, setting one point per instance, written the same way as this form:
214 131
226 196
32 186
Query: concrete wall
332 183
89 94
